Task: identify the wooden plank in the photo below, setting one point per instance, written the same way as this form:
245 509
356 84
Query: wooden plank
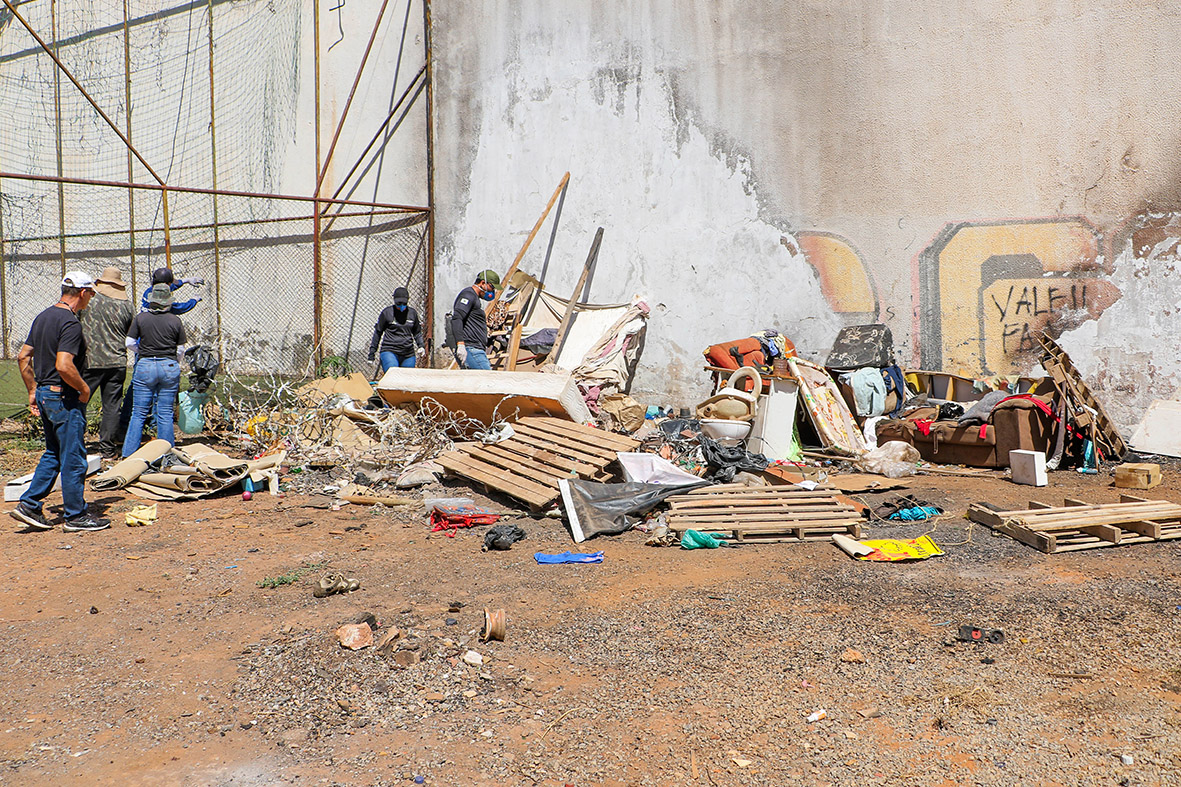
595 438
564 326
985 516
1144 528
818 519
1125 498
765 511
543 439
793 535
1094 519
530 492
770 490
1034 504
562 464
496 477
755 502
514 345
1105 532
1086 514
1080 512
778 494
592 435
520 466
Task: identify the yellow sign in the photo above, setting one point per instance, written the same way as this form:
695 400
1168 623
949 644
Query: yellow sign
892 549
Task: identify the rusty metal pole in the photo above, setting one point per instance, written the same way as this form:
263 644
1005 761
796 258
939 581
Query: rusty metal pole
130 167
3 284
430 174
386 206
213 166
317 335
57 119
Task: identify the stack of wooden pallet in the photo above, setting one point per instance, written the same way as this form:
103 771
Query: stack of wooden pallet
542 451
1079 525
764 514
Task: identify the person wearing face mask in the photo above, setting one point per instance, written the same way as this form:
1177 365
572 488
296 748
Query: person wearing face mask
468 323
398 334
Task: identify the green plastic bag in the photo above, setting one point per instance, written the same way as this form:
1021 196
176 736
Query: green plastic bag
190 416
692 539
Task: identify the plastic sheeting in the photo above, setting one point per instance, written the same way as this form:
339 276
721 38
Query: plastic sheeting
595 509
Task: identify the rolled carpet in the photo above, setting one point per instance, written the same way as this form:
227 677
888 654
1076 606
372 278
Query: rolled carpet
131 468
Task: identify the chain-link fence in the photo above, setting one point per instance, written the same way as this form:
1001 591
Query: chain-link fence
96 96
258 302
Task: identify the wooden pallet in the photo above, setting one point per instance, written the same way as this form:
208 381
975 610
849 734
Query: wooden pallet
1080 525
764 514
1070 386
543 451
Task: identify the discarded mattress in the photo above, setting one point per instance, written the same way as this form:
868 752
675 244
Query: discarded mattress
487 396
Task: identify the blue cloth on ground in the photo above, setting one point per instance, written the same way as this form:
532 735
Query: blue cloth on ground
568 557
916 514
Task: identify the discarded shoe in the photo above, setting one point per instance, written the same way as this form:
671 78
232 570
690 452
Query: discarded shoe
335 582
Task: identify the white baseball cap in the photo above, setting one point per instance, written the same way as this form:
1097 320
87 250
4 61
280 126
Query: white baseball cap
78 280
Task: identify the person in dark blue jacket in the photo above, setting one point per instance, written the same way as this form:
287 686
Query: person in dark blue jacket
398 334
164 276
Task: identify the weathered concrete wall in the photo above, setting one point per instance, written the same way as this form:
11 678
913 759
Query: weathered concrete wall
966 172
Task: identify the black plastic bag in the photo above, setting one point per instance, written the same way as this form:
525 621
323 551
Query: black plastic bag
203 367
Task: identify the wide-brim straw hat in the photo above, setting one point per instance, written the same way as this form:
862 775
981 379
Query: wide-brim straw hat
111 284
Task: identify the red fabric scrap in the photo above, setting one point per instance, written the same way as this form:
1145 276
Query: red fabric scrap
450 518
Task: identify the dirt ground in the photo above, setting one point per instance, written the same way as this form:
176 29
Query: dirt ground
152 656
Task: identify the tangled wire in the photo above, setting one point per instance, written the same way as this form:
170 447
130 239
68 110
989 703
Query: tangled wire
273 412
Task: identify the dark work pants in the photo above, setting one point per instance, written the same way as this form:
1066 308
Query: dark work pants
107 384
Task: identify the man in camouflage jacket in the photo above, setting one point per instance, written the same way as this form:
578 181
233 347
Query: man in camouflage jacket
104 327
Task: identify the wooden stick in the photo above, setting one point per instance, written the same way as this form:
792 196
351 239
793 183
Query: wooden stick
367 500
532 234
568 317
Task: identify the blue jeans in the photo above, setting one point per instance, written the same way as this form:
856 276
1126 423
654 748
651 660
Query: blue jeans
154 387
63 418
476 359
390 360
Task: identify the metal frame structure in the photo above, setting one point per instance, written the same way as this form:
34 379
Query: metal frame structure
321 204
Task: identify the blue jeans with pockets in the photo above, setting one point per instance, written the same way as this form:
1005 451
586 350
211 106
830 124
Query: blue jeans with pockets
63 418
154 387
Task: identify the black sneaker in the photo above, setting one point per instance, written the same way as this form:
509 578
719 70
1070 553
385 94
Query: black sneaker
34 519
86 522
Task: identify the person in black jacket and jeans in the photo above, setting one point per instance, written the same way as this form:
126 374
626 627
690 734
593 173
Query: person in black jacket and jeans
398 334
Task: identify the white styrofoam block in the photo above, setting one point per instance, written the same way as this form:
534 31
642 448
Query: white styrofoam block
18 486
1028 467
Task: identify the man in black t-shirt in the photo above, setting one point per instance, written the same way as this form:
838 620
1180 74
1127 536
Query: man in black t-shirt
468 323
51 363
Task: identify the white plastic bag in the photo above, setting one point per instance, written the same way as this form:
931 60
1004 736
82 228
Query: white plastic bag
894 459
